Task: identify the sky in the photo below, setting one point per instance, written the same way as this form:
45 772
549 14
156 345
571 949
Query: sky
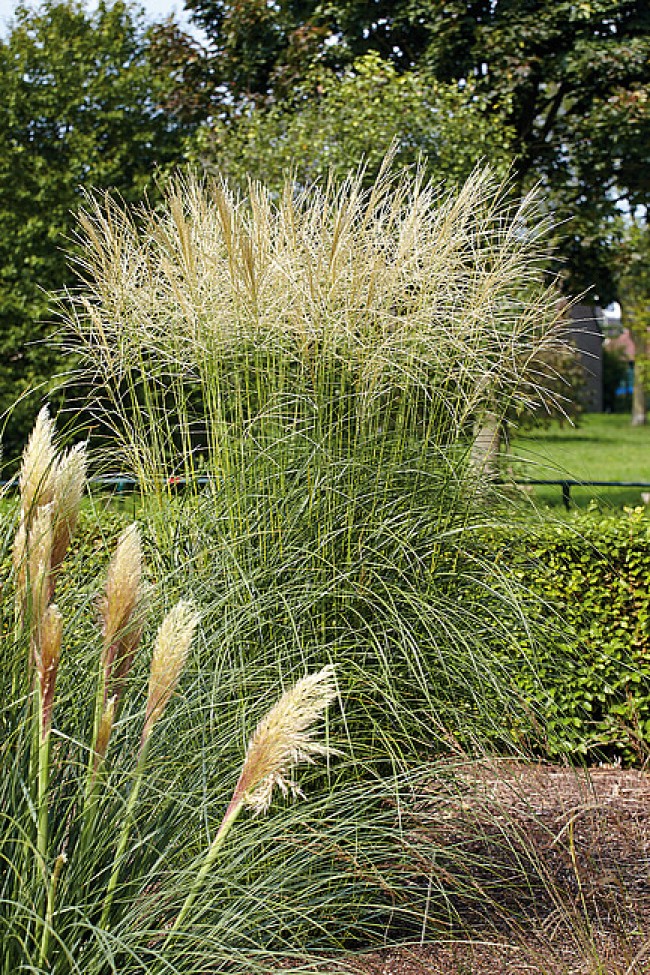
156 10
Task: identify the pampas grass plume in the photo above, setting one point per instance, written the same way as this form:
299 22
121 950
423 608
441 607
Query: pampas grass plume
38 470
69 486
47 662
283 739
123 610
169 655
104 731
39 561
123 586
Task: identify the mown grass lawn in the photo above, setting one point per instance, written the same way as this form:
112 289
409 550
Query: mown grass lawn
604 447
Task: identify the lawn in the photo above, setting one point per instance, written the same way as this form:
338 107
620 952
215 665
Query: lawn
604 447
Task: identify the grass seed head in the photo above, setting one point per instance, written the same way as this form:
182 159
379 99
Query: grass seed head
19 555
283 739
122 584
104 731
38 470
48 654
38 564
69 486
169 655
122 610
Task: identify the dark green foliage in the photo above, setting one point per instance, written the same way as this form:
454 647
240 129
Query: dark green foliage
586 673
78 109
330 123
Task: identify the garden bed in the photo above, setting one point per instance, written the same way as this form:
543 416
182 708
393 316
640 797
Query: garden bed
560 861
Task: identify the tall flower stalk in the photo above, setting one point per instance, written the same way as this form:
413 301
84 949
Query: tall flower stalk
51 488
169 655
282 740
122 610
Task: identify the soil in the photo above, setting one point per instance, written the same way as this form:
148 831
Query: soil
551 875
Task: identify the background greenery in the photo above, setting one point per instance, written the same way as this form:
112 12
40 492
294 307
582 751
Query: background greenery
601 447
79 110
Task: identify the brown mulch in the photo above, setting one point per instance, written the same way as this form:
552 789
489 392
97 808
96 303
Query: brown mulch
549 874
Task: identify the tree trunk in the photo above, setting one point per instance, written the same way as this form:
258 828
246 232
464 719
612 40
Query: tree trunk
640 374
487 446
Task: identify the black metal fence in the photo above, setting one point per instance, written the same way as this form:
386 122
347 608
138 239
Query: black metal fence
567 483
122 484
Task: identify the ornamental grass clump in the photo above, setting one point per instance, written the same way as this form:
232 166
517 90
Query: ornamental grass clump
327 370
331 316
95 851
319 367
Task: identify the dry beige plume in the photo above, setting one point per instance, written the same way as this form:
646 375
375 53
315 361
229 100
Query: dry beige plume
51 484
123 610
69 486
38 563
47 658
20 567
283 739
104 732
169 655
123 585
38 470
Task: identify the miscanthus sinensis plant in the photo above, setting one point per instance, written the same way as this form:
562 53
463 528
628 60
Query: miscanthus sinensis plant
99 871
324 319
331 319
330 358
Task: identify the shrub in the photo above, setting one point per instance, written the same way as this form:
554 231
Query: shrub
586 672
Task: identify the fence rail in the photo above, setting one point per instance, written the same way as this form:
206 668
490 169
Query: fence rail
123 484
567 483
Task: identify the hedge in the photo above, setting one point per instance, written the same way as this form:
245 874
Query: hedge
584 672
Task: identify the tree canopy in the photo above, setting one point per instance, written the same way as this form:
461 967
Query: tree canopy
334 122
568 79
79 109
98 100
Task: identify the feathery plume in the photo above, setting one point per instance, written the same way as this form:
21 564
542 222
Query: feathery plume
47 657
123 610
37 473
283 739
39 560
169 655
69 485
19 556
47 483
122 584
104 732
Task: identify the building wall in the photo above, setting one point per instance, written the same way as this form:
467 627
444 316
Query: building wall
586 333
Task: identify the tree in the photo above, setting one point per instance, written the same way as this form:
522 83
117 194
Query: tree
572 77
78 110
568 78
634 289
333 122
